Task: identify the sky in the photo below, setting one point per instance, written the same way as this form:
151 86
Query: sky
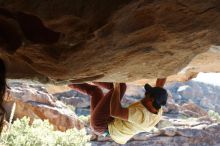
210 78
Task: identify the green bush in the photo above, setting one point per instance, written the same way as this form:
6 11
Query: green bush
85 119
41 133
214 115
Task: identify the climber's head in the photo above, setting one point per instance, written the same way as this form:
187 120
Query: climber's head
155 97
2 91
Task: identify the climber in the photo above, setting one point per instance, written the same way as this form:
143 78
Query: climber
2 92
109 118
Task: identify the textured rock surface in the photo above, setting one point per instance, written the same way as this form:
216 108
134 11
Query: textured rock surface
185 132
73 98
192 110
113 40
204 95
35 103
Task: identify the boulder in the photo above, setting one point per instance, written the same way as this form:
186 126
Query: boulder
34 103
193 110
169 131
73 98
195 135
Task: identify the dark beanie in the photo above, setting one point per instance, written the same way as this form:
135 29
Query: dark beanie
158 94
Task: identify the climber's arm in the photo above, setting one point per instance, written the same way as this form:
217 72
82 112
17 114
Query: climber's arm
116 110
160 82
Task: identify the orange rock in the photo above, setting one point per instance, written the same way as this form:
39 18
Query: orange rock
38 104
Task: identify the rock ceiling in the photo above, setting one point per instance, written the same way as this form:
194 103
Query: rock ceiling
112 40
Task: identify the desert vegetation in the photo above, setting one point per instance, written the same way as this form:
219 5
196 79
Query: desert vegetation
41 133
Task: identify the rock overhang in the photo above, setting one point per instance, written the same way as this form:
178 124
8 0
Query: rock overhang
112 40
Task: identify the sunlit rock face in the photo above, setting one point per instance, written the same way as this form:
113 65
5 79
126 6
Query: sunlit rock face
126 40
35 102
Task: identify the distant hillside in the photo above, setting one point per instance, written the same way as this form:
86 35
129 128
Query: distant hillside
204 95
